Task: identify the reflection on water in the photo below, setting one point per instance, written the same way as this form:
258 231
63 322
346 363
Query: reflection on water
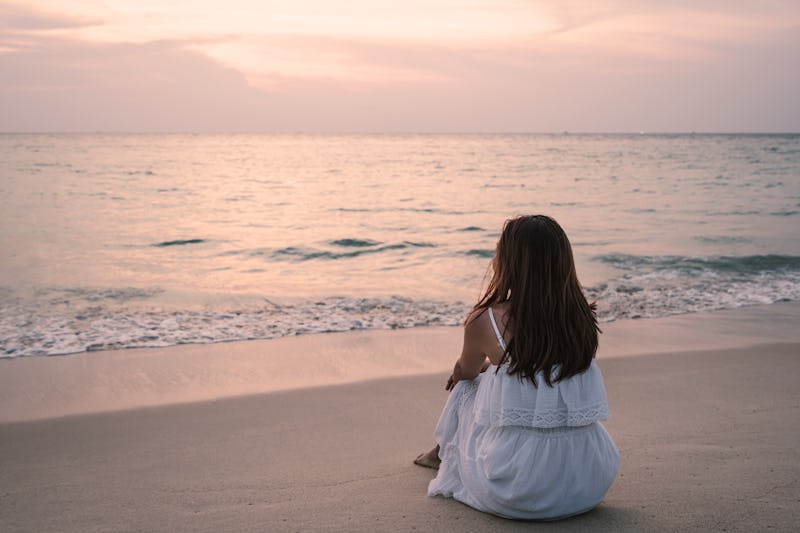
218 223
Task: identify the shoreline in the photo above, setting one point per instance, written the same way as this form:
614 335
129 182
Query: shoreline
41 387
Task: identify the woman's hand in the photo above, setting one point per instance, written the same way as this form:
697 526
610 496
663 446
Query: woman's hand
455 377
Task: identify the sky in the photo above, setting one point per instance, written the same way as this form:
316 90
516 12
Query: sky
391 66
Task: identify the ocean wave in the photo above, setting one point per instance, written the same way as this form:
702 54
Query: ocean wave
68 320
624 299
747 264
357 248
722 239
655 286
178 242
352 242
42 329
477 252
77 295
303 253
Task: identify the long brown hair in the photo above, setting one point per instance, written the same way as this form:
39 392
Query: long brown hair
553 325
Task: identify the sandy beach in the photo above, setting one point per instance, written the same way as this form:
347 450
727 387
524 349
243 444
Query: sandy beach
318 432
239 242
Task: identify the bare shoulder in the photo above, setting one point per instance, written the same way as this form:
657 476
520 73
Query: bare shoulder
479 335
475 314
478 329
501 313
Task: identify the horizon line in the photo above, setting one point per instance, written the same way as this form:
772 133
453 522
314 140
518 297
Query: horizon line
387 132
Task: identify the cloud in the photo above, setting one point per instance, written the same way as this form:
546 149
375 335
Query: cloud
659 81
296 59
19 19
59 84
677 30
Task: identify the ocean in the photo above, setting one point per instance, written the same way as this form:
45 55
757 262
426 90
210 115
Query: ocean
112 241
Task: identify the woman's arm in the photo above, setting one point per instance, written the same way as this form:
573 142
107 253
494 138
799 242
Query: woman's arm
473 358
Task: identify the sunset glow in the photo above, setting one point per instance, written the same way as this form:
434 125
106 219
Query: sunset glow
294 53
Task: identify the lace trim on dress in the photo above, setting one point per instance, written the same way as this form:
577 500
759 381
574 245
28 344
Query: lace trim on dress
545 419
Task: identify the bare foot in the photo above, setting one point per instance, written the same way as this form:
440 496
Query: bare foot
429 459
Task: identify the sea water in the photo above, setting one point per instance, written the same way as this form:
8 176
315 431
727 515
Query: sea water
121 240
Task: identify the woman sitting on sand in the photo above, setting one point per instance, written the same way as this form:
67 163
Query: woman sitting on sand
520 435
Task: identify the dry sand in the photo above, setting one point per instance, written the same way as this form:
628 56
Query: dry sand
708 438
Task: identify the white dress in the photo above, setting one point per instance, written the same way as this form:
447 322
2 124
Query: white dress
519 451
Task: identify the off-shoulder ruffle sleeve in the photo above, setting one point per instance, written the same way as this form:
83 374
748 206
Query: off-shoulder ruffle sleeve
577 401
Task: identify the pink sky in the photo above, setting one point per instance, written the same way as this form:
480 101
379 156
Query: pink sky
416 65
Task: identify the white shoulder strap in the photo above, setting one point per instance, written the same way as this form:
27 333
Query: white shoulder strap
497 334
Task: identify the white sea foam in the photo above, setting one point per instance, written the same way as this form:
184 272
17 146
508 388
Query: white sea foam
75 320
667 285
30 329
